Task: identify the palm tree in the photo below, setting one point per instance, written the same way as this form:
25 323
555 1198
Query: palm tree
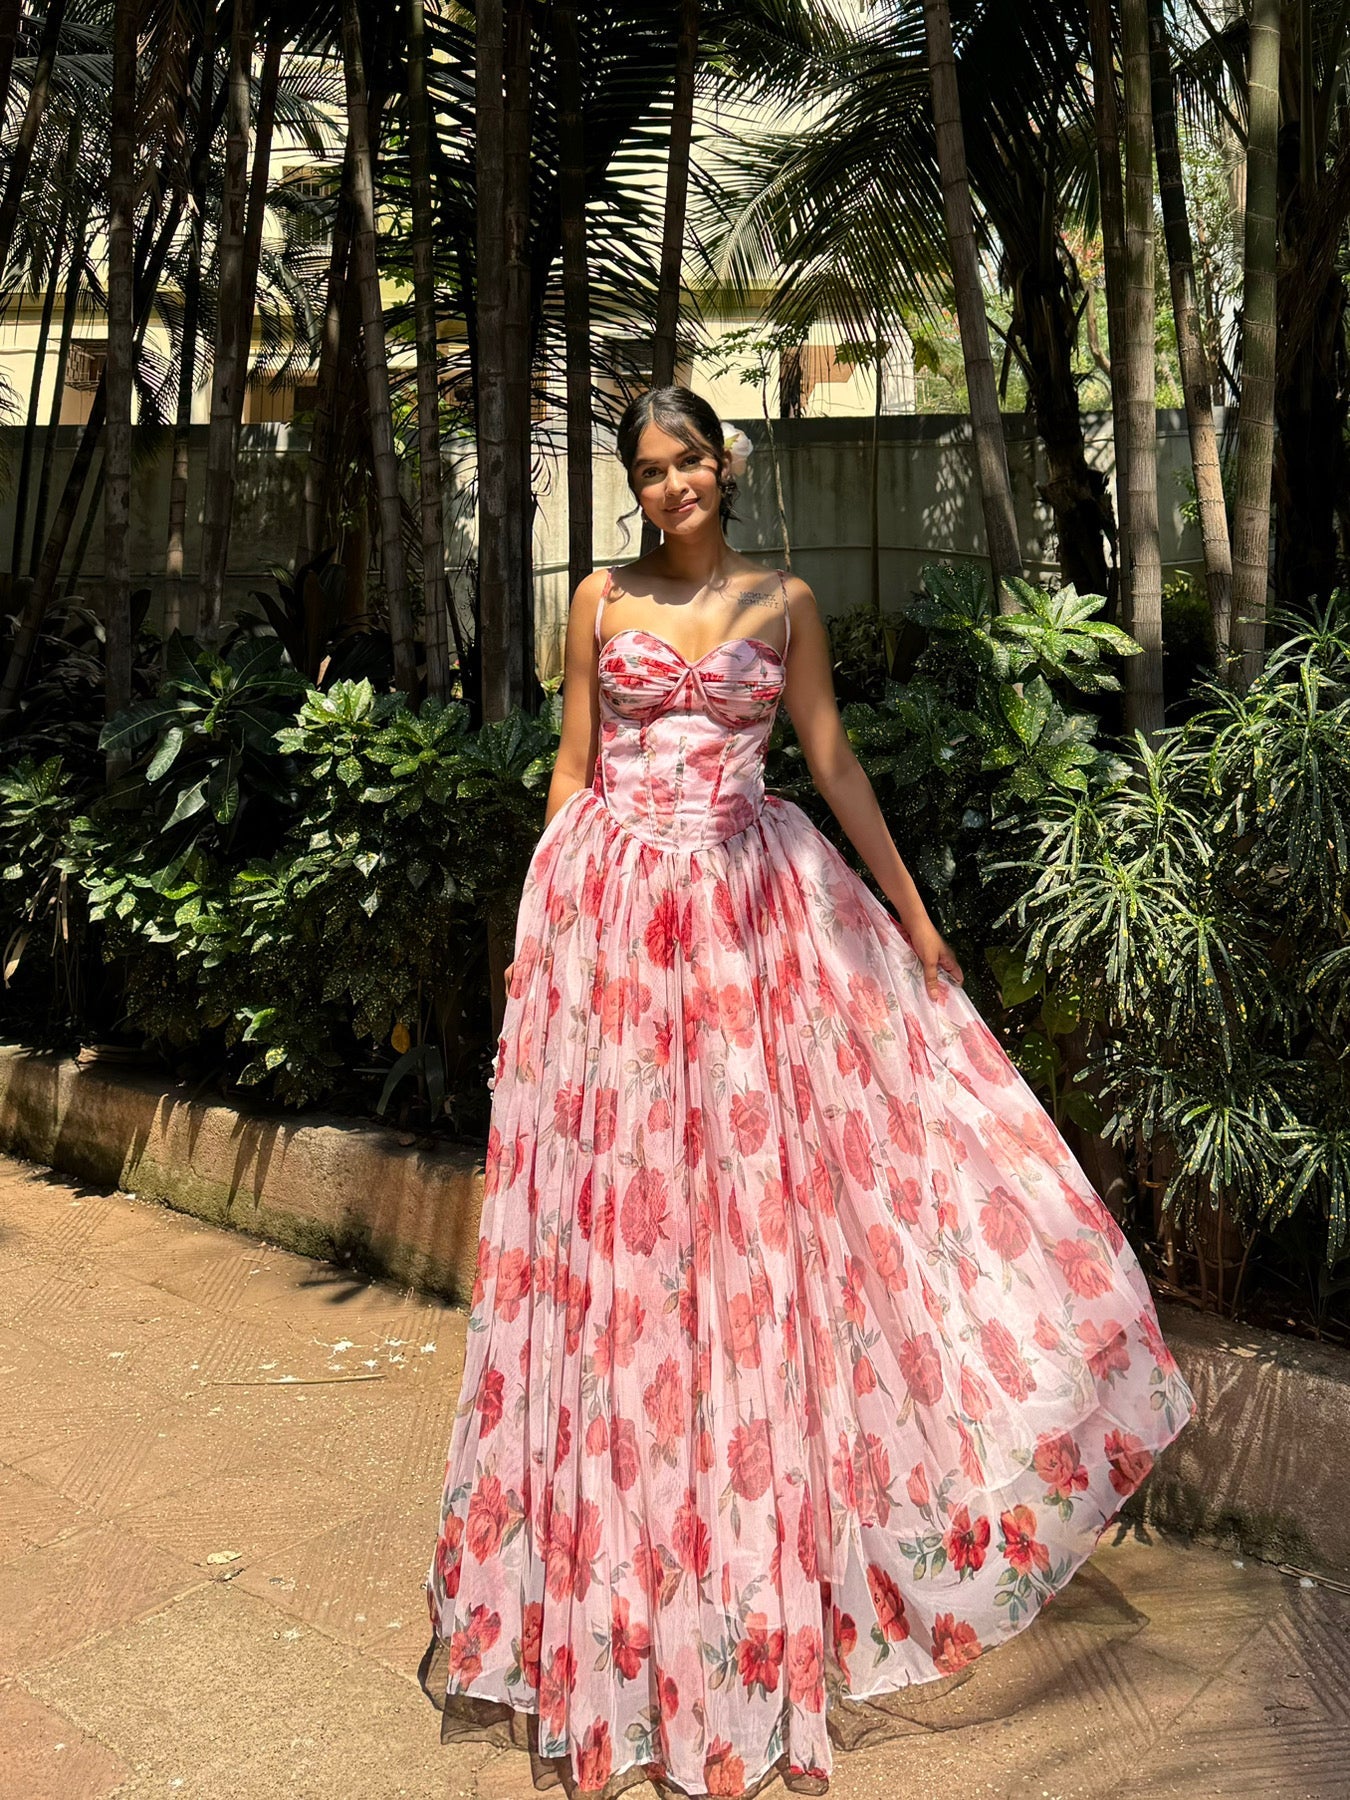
204 128
1143 620
1256 420
384 455
21 157
428 359
121 352
576 292
1195 374
1111 196
991 453
229 367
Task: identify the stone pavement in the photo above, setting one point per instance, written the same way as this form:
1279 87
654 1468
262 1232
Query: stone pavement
220 1470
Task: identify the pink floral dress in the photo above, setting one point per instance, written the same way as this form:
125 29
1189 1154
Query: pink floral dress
804 1362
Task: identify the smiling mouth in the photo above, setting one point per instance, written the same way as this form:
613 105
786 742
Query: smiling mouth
688 506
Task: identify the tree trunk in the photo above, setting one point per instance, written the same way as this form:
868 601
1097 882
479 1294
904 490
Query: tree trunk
260 182
516 206
1195 374
1256 418
500 684
40 352
1106 117
340 283
10 16
677 198
576 295
436 624
21 156
121 351
204 124
1143 619
69 312
384 455
147 271
229 366
991 452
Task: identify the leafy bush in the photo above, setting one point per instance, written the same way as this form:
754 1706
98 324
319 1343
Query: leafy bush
1201 909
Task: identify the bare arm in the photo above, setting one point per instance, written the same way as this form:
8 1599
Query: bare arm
841 779
575 765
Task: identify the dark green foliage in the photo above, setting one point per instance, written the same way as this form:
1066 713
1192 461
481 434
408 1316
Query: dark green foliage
1202 910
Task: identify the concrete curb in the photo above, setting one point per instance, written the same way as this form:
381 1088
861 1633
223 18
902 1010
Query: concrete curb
321 1185
1264 1466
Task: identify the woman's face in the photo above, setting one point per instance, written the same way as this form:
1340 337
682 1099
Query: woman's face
677 486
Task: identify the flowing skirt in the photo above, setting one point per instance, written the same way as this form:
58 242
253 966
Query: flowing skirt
804 1363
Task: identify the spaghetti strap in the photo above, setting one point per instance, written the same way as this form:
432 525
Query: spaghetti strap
604 595
787 610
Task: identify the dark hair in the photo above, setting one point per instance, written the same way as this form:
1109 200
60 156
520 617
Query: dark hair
685 415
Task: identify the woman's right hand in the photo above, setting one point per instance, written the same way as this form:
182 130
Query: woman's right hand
506 976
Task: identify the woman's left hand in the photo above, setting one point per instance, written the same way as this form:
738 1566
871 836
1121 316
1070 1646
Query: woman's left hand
935 953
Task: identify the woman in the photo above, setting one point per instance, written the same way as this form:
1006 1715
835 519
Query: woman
804 1363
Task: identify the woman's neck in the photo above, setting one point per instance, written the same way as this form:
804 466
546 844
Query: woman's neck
698 560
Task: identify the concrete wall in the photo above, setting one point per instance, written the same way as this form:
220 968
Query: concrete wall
928 507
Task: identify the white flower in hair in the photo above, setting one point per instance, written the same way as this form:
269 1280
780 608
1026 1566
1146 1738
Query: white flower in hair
738 448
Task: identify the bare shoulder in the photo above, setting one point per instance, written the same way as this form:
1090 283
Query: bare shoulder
799 598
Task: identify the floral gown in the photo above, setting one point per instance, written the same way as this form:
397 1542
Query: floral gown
804 1363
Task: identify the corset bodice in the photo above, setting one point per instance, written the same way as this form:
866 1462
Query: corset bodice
681 756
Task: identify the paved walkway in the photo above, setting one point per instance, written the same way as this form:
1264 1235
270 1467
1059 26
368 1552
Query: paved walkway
219 1473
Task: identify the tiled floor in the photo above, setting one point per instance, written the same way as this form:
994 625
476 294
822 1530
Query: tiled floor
219 1475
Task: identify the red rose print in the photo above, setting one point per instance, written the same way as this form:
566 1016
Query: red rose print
488 1515
744 1332
806 1669
1057 1462
750 1459
858 1149
864 1376
954 1644
966 1541
1085 1266
668 930
489 1401
663 1401
904 1124
628 1642
467 1646
887 1604
871 1478
564 1437
1130 1461
605 1122
723 1772
749 1121
921 1367
559 1559
1020 1544
1108 1353
1004 1224
806 1537
869 1002
623 1454
975 1396
597 1756
905 1197
568 1104
449 1555
917 1486
759 1654
986 1054
1007 1365
643 1211
597 1436
888 1257
514 1281
690 1538
555 1688
531 1640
